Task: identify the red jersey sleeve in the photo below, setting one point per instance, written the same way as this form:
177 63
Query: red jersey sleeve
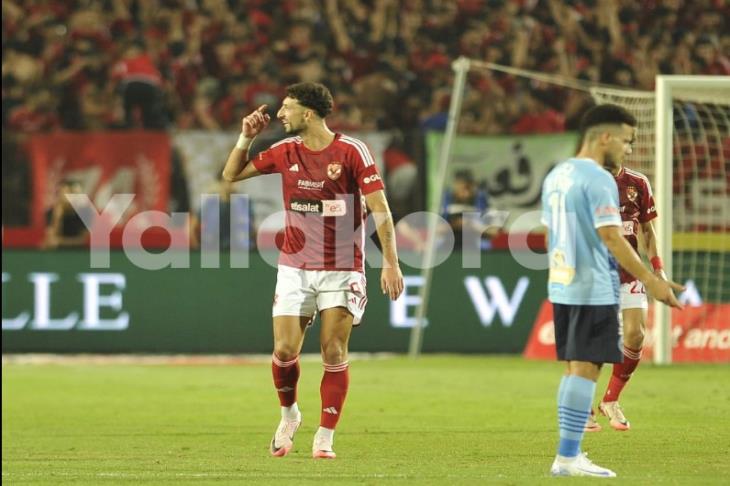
269 161
365 171
648 207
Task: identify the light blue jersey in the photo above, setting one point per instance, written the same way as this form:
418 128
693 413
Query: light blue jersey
579 196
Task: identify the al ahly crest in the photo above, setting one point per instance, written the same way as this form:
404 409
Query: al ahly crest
631 193
334 171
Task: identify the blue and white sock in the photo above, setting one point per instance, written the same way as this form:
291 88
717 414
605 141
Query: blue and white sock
574 407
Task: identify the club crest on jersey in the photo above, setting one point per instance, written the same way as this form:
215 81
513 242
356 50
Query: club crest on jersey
334 171
631 193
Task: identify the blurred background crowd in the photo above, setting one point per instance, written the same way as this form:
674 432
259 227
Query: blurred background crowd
203 64
108 64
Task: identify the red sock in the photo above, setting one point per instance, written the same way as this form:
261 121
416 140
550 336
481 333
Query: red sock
286 376
333 391
621 374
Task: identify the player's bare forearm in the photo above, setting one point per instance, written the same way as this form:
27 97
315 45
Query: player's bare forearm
624 254
378 206
238 166
386 234
391 278
629 260
649 239
652 251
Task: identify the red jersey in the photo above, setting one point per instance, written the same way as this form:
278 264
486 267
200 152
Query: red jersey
637 206
324 201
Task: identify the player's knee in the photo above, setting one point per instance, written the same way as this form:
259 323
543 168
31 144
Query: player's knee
286 351
634 338
334 352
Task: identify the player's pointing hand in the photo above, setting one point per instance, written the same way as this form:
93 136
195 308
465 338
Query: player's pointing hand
662 291
255 123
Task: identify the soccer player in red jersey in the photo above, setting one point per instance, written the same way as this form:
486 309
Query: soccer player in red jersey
326 177
637 214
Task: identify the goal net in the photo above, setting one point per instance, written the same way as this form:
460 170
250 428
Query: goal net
683 147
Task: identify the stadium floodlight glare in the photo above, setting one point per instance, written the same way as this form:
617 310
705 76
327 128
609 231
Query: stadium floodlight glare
684 130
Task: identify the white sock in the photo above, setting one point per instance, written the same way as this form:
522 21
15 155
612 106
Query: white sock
328 434
290 413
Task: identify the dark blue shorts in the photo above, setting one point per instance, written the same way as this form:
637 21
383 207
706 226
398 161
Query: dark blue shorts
588 333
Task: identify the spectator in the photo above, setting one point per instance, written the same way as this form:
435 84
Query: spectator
64 225
538 118
393 56
141 86
463 207
401 176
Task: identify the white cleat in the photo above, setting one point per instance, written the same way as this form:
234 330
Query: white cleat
322 448
579 466
615 415
283 439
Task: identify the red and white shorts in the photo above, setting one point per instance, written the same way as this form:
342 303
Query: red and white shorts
633 296
306 292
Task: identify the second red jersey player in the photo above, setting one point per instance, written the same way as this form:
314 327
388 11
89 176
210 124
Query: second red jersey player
637 214
637 207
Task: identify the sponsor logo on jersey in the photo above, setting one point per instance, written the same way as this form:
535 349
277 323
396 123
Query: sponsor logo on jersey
372 178
310 185
294 168
334 170
631 193
325 207
334 207
305 206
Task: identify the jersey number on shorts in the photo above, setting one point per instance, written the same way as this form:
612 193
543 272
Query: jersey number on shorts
637 288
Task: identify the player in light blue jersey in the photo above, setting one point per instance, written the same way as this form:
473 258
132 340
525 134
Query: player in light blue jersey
581 211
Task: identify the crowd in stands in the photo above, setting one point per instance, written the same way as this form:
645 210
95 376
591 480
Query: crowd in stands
203 64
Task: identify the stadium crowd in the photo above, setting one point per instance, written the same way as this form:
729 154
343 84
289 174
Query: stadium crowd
92 65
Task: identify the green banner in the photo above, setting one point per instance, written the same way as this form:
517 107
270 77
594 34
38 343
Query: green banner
54 302
509 168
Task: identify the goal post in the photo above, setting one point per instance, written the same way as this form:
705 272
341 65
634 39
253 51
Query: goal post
461 67
694 88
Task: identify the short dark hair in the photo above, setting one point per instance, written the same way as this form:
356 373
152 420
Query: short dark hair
464 175
607 114
312 95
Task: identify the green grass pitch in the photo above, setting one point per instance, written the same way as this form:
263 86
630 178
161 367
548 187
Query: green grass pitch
437 420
